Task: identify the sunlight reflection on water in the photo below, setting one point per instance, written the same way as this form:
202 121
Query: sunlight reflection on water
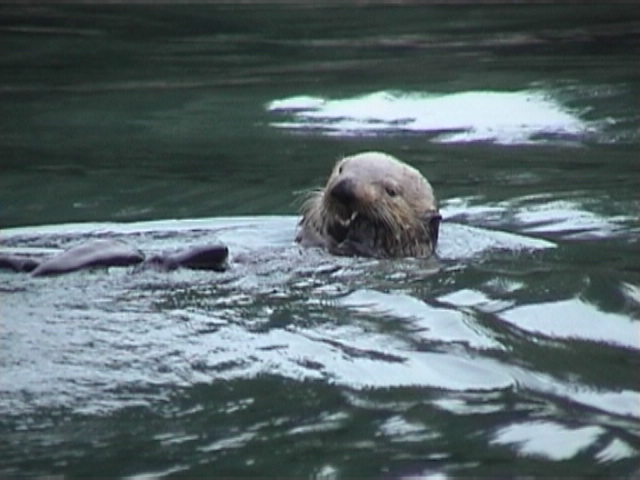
575 319
502 117
548 439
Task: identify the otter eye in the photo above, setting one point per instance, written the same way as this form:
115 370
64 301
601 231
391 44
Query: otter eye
391 191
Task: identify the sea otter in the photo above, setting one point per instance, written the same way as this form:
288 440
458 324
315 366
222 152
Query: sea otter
373 205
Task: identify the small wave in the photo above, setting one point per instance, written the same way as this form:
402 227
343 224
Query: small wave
530 116
567 319
541 215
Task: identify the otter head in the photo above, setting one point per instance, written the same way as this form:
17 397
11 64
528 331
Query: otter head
372 205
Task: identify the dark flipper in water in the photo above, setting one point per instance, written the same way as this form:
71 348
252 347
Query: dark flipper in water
201 257
18 263
115 253
95 253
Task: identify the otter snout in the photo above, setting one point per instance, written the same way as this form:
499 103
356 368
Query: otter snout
344 191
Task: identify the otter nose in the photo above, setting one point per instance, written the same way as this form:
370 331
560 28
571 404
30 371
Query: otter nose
344 191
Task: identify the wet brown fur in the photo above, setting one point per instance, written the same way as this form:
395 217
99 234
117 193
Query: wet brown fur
393 208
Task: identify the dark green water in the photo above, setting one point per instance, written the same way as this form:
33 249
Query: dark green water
516 353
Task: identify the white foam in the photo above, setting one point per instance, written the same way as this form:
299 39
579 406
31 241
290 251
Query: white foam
501 117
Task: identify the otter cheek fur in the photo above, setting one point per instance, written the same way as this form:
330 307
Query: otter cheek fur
372 205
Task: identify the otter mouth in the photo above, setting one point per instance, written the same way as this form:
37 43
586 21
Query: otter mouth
357 234
341 227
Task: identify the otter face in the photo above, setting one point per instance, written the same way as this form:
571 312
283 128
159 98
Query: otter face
373 205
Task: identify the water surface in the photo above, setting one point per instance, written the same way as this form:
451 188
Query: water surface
514 352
